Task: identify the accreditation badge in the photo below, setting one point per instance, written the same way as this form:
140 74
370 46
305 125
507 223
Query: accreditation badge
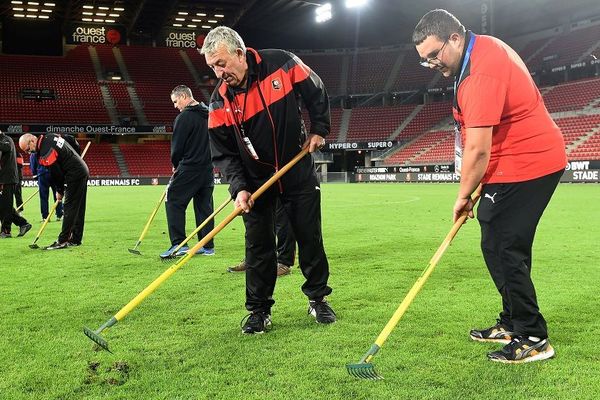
458 149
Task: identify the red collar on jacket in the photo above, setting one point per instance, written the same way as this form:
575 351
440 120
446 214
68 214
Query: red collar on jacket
256 59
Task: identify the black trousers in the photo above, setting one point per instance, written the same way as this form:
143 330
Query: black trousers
185 186
8 214
303 208
74 211
286 241
19 192
509 214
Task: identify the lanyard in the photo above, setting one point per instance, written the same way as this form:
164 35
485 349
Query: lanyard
465 62
458 150
240 121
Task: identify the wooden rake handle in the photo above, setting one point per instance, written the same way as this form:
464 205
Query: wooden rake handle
423 278
173 268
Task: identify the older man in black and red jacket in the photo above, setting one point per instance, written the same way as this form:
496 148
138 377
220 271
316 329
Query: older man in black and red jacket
70 173
255 128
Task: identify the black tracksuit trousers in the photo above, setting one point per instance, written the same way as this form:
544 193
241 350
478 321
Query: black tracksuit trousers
286 241
185 186
8 214
303 207
74 211
508 214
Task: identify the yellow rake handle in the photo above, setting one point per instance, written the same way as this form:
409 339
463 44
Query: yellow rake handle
202 225
87 146
50 214
173 268
147 226
423 278
27 200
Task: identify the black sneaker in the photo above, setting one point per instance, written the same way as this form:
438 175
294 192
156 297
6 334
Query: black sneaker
321 310
57 246
73 244
24 229
498 333
256 322
522 349
5 235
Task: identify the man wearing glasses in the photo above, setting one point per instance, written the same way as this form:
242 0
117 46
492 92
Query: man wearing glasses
70 173
506 141
9 179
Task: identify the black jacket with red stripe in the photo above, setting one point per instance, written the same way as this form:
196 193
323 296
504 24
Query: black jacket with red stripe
268 114
57 154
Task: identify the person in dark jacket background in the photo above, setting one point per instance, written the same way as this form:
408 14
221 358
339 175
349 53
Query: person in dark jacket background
192 171
9 179
70 174
255 127
45 183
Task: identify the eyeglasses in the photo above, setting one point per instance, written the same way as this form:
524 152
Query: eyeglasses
427 62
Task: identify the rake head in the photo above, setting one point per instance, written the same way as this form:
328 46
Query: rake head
34 246
363 371
96 338
135 251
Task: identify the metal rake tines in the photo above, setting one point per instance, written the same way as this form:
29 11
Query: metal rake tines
134 251
363 371
96 338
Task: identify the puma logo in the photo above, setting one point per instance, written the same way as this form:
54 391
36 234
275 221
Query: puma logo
487 196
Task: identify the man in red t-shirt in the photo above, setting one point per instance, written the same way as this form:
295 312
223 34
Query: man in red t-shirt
507 141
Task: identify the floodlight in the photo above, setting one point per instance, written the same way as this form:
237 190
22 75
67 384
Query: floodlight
323 13
356 3
219 15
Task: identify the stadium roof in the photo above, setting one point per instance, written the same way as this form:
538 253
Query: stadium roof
291 23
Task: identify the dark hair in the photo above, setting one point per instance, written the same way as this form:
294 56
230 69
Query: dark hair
438 23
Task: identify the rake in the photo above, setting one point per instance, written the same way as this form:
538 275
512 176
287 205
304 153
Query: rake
50 214
172 255
364 369
147 226
27 200
95 335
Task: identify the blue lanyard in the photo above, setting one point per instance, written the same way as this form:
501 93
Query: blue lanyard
465 62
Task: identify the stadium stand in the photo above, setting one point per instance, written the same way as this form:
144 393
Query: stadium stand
376 123
370 71
152 89
148 159
78 96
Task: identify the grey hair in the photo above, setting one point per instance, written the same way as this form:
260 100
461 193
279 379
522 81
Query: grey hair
182 90
222 35
439 23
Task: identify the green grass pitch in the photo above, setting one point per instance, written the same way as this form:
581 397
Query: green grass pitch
184 341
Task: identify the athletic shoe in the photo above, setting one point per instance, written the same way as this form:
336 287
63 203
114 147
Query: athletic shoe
283 269
205 252
498 333
73 244
5 235
241 267
182 251
522 349
256 322
169 253
57 246
320 309
59 219
24 229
